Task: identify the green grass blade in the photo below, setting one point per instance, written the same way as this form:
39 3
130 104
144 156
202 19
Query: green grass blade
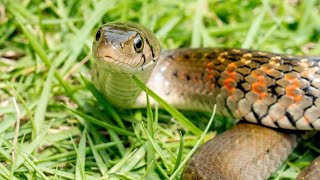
195 146
136 157
5 172
61 174
101 123
197 27
254 29
228 29
28 148
109 109
115 137
7 123
5 154
105 104
158 150
34 167
41 109
102 167
306 15
174 112
70 154
149 171
81 156
163 32
98 139
150 124
117 167
162 171
180 153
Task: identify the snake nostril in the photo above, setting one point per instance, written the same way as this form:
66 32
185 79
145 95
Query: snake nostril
98 34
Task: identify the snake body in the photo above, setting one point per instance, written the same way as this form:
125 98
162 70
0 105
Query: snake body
228 156
279 91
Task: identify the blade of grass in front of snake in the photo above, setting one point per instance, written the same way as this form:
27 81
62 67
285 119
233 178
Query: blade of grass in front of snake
108 108
174 112
195 147
180 152
100 98
157 148
151 156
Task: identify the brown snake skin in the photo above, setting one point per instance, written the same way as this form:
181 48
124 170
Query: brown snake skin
266 88
244 152
270 89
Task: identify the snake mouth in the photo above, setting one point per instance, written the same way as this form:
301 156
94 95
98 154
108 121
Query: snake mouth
108 56
116 65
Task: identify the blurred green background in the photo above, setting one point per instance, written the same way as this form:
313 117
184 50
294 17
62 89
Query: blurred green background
46 45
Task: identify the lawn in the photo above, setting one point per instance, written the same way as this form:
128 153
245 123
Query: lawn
55 125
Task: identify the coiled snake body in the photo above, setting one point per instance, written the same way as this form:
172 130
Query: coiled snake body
279 91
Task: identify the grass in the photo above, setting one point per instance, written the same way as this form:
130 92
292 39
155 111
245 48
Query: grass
68 131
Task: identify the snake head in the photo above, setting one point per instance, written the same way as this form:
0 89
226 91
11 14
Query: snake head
125 47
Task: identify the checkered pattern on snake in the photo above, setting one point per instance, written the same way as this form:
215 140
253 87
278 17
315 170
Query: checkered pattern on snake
272 89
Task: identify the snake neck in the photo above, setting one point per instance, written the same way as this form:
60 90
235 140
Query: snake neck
119 88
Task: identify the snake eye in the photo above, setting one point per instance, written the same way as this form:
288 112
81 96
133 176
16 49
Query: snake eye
98 34
138 43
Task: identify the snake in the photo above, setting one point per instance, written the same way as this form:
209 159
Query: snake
277 91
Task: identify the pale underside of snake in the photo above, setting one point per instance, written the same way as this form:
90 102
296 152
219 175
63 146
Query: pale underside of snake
279 91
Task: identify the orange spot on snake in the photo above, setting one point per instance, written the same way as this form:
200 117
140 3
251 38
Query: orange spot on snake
210 76
230 82
209 65
259 87
270 71
268 68
231 67
292 90
254 74
298 99
291 76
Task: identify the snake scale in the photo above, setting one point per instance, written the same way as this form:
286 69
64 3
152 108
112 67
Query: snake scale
279 91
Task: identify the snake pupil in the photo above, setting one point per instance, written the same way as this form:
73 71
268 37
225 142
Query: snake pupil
98 34
138 44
